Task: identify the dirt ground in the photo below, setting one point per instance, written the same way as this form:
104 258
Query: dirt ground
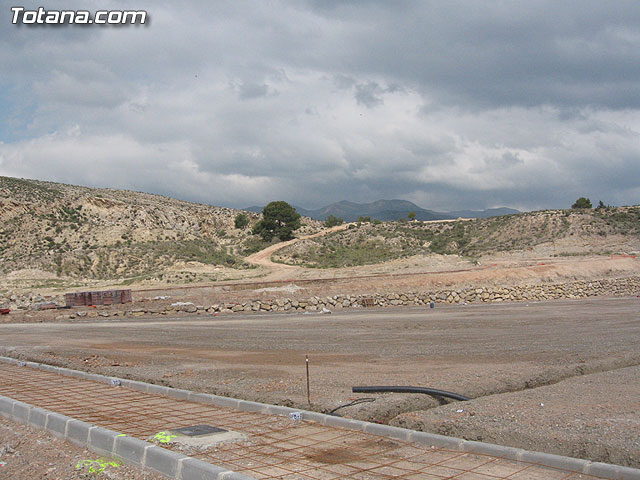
27 453
415 274
481 351
592 416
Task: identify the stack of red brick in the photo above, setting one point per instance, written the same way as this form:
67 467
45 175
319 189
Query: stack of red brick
104 297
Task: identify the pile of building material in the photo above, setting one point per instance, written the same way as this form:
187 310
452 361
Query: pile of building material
103 297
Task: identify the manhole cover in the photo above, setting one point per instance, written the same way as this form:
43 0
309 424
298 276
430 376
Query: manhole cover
199 430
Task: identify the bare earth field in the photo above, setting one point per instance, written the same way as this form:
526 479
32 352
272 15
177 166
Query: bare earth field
413 274
558 376
418 273
27 454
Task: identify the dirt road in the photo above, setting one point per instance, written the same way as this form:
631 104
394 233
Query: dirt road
475 350
263 257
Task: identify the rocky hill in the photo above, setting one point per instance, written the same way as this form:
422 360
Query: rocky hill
602 231
68 235
52 230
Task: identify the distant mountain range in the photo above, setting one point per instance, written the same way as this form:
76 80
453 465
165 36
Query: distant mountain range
390 210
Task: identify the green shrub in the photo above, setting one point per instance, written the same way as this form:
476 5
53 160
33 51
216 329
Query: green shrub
241 221
582 202
279 219
333 221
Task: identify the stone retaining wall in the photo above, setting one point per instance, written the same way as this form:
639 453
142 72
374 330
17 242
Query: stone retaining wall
582 289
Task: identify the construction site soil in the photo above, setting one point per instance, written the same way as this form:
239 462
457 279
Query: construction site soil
28 454
415 273
557 376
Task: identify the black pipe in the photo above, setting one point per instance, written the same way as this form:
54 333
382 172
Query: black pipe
403 389
355 402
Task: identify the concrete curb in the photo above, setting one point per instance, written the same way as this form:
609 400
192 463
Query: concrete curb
112 444
603 470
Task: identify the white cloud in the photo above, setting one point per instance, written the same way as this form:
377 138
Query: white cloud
238 103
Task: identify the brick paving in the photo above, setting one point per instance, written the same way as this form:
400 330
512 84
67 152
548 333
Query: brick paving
277 447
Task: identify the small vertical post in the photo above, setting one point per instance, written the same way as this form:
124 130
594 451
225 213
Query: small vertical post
308 392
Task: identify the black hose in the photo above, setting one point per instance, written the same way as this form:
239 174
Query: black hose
403 389
355 402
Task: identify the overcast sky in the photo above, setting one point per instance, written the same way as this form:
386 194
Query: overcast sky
452 105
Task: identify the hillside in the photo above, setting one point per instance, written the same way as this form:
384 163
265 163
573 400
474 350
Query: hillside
54 234
545 233
387 210
52 230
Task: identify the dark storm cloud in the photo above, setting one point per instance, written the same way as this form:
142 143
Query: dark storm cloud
500 53
450 104
369 94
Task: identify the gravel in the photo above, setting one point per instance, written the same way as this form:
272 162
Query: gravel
479 351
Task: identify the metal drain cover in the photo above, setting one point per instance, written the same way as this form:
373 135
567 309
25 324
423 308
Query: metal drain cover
199 430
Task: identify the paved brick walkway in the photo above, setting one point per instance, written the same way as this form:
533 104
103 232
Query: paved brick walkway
277 447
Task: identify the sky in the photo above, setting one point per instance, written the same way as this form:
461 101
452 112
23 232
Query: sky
452 105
